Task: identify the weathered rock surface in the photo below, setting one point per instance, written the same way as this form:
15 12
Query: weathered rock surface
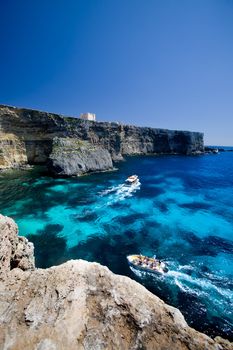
82 305
15 251
12 151
33 133
74 157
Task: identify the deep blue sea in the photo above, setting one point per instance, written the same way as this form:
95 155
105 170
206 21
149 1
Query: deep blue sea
182 211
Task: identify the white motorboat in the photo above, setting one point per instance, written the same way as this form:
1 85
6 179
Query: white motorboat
132 179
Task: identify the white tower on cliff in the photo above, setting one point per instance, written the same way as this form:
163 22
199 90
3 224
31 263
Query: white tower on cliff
88 116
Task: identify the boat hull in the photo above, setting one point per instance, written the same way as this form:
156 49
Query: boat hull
128 183
132 179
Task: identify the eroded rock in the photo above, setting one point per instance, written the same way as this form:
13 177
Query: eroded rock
82 305
15 251
26 137
74 157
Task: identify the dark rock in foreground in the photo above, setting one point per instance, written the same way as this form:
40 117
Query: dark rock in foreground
82 305
27 137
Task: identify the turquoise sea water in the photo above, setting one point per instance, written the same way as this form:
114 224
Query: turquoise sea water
181 211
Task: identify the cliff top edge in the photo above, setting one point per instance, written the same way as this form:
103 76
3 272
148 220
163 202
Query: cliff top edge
72 118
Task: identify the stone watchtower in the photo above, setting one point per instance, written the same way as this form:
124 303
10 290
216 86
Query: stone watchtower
88 116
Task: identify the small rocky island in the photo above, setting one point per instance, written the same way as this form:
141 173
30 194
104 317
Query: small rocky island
82 305
72 146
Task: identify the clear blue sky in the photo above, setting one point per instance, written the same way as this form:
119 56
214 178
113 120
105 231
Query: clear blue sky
160 63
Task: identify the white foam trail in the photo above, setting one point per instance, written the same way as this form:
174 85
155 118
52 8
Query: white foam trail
127 191
185 267
145 274
109 190
189 290
203 284
120 192
137 272
190 284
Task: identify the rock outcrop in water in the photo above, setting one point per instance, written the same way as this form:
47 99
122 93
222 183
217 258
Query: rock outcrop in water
26 137
74 157
82 305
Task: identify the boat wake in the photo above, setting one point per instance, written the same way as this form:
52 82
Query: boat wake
120 192
203 288
199 286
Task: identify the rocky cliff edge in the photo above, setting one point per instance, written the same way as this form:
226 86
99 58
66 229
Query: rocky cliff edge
34 137
82 305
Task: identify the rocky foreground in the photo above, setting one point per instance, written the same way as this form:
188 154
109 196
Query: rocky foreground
82 305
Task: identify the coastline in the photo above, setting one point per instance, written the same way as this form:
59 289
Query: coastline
84 305
72 146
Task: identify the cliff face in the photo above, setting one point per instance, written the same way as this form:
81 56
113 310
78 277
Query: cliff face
74 157
81 305
29 137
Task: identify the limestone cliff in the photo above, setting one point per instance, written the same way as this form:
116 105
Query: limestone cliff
82 305
74 157
26 136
